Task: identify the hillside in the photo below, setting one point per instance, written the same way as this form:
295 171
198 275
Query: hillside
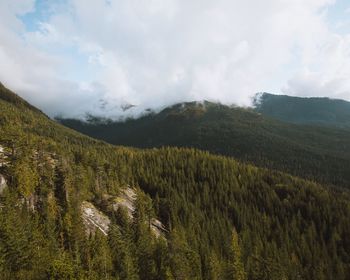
14 99
312 152
299 110
224 219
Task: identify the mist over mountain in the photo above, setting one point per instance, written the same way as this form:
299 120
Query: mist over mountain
312 110
321 153
72 207
139 140
69 58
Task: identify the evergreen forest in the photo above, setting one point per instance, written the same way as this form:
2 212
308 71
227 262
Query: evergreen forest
224 218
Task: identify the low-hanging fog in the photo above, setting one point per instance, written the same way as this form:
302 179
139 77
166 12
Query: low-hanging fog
72 57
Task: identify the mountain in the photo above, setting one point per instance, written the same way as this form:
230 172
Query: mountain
72 207
317 153
14 99
313 110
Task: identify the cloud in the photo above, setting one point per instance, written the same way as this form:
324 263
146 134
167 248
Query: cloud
152 53
325 72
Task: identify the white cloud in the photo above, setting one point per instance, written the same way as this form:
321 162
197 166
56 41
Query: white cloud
156 52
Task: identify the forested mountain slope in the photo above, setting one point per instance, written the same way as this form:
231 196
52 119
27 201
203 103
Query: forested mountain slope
14 99
301 110
226 220
316 153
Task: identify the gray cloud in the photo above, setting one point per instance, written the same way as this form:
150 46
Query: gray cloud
152 53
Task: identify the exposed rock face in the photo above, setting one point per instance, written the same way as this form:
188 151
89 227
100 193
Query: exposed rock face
3 184
3 157
158 228
3 162
126 199
94 219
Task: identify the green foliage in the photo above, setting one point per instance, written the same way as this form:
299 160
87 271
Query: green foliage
314 110
25 176
286 227
236 269
62 269
321 154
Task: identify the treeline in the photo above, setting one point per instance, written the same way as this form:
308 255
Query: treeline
316 153
226 220
321 111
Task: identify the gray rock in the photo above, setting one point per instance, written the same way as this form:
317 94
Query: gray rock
94 219
3 184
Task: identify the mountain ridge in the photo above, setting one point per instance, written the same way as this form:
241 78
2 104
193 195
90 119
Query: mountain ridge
304 110
11 97
219 212
239 132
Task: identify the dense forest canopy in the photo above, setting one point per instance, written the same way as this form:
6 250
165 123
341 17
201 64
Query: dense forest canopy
300 110
316 153
225 219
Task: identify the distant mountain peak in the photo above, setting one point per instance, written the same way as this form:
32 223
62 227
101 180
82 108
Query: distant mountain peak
304 110
126 107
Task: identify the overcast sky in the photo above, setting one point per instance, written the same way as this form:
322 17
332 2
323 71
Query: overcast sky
70 57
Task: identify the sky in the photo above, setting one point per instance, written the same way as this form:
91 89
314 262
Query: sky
76 57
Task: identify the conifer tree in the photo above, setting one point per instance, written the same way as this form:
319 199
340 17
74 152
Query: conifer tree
236 267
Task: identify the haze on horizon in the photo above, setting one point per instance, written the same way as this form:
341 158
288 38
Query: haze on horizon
72 57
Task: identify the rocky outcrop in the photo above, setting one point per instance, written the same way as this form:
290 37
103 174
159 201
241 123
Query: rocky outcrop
3 163
158 228
94 219
127 199
3 157
3 184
